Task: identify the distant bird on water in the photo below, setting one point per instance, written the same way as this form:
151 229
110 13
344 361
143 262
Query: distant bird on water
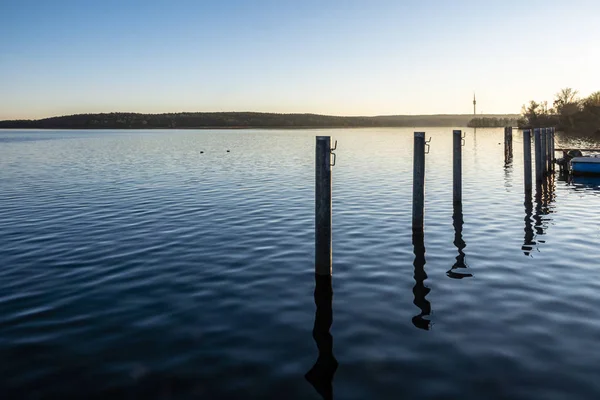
228 151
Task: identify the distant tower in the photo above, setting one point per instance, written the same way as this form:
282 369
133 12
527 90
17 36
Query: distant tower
474 105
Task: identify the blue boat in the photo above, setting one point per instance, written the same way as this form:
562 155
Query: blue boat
587 165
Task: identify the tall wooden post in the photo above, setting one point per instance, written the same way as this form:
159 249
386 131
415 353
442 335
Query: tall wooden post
527 160
539 171
544 151
457 166
505 144
553 149
549 156
508 150
418 206
323 206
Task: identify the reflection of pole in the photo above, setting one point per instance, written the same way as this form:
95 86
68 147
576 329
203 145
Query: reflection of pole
457 219
537 216
457 166
528 242
527 160
323 206
420 291
418 212
321 374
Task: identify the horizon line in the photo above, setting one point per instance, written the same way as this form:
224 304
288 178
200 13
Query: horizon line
260 112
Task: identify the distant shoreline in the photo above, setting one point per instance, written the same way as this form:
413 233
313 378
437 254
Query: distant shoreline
240 120
225 128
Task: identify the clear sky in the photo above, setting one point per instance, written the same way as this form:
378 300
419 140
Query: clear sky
351 57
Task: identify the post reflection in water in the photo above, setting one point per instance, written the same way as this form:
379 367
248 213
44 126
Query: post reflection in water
457 221
420 291
550 192
544 197
321 374
508 171
528 243
539 207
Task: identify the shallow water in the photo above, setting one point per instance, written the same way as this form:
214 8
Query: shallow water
136 266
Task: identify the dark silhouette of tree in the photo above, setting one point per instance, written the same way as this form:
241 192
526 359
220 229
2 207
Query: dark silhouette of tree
574 116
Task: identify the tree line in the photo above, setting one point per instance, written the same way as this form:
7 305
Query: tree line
491 122
232 120
568 113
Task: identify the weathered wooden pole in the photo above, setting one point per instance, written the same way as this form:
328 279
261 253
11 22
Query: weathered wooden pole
539 171
323 206
548 150
457 166
508 150
544 151
527 160
505 144
510 129
418 206
553 150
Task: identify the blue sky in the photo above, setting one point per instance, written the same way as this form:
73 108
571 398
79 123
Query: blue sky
340 57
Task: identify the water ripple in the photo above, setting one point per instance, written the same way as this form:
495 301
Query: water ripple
135 266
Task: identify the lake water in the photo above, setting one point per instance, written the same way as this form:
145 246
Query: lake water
135 266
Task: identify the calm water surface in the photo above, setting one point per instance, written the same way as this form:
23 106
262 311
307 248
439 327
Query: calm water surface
135 266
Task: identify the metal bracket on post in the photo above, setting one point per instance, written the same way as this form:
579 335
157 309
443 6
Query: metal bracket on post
331 151
427 146
462 139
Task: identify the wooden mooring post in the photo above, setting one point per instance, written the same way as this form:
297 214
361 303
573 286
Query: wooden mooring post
539 171
552 150
527 160
544 151
508 139
457 166
549 155
418 206
323 206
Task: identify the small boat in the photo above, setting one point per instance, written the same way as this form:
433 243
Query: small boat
585 165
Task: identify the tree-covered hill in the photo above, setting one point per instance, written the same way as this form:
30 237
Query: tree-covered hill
233 120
